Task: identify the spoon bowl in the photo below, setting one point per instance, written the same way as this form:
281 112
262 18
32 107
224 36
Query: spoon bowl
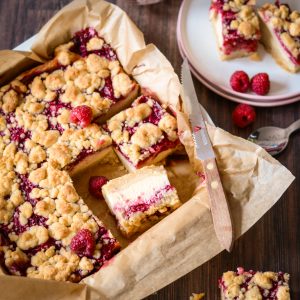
273 139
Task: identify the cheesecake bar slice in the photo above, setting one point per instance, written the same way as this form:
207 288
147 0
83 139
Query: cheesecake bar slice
281 34
254 285
140 199
236 27
143 134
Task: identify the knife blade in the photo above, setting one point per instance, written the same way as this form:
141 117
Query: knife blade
204 152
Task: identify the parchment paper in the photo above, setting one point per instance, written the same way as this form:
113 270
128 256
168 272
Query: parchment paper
184 240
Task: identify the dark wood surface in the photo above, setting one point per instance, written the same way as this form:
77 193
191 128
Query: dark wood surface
274 242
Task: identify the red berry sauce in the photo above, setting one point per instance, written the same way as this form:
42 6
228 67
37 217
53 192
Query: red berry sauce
142 205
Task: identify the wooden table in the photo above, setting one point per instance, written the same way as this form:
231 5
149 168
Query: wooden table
274 242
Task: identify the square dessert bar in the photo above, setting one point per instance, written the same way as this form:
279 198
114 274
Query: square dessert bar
254 285
140 199
281 34
143 134
236 27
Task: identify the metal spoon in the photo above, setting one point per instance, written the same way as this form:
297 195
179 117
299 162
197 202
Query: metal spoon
273 139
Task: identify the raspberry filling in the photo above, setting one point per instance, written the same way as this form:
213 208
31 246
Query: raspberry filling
141 204
108 91
267 294
295 60
52 110
26 187
17 134
81 156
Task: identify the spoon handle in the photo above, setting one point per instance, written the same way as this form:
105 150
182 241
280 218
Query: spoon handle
293 127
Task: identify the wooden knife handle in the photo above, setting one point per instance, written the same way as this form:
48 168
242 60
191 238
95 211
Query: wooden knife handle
219 205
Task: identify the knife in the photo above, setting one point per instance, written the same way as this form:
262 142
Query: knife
204 152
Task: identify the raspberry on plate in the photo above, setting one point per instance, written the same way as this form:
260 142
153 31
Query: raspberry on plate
240 81
260 84
83 243
82 115
95 185
243 115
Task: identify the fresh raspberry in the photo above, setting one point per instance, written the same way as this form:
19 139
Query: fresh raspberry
95 185
240 82
81 115
260 84
83 243
243 115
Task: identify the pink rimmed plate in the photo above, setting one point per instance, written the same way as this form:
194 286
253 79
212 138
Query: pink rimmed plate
199 46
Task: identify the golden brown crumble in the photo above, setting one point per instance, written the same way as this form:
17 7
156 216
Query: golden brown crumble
10 101
258 286
94 43
34 236
55 80
246 21
145 134
286 22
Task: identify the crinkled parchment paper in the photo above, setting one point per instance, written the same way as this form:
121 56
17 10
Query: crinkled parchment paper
184 240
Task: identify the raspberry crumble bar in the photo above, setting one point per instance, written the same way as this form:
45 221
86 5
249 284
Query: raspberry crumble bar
281 34
254 285
143 134
236 27
47 133
140 199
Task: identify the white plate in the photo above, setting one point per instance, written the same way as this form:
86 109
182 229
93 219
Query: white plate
220 92
196 36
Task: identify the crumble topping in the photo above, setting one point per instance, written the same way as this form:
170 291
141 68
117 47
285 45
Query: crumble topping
254 285
40 210
55 80
122 84
10 101
138 129
240 16
45 207
146 135
94 43
25 213
17 257
34 236
96 63
286 24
